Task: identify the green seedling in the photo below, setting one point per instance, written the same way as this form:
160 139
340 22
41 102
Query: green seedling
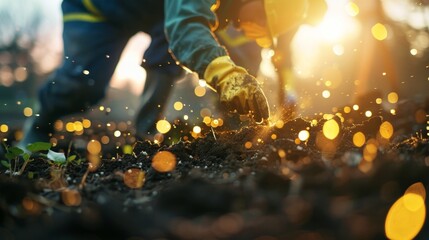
15 154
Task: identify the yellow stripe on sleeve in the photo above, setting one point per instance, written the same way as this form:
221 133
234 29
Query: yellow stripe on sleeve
91 7
84 17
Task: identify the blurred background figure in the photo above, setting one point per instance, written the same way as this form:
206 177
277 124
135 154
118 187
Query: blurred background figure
248 53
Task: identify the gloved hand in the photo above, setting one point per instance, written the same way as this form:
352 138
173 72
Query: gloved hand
237 89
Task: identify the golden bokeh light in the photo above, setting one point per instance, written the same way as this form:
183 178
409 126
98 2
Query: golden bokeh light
207 120
378 100
303 135
178 106
164 161
407 215
326 94
355 107
196 129
347 109
331 129
78 126
163 126
70 127
58 125
379 31
392 97
248 145
220 121
28 112
86 123
370 151
94 147
386 130
71 197
200 91
368 113
214 123
105 139
415 195
4 128
117 133
281 153
359 139
134 178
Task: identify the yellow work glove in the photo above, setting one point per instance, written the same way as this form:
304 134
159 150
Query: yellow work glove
238 90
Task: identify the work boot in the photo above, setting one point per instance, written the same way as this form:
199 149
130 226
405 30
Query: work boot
153 102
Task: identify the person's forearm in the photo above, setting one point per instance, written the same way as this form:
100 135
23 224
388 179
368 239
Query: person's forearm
189 34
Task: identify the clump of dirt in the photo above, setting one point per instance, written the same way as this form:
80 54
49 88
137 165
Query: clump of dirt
253 183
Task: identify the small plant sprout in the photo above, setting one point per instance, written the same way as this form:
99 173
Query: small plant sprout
15 154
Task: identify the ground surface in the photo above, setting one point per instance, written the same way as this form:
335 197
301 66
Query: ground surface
256 182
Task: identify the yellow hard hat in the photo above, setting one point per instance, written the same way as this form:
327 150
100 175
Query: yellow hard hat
283 15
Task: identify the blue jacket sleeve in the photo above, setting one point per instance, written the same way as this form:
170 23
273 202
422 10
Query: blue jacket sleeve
188 26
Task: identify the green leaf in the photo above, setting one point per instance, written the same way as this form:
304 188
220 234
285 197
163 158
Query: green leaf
56 157
71 158
13 152
26 156
5 163
30 175
39 146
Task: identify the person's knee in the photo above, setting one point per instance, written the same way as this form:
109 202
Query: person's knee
62 96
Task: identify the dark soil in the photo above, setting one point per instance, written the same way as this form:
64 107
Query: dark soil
223 188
